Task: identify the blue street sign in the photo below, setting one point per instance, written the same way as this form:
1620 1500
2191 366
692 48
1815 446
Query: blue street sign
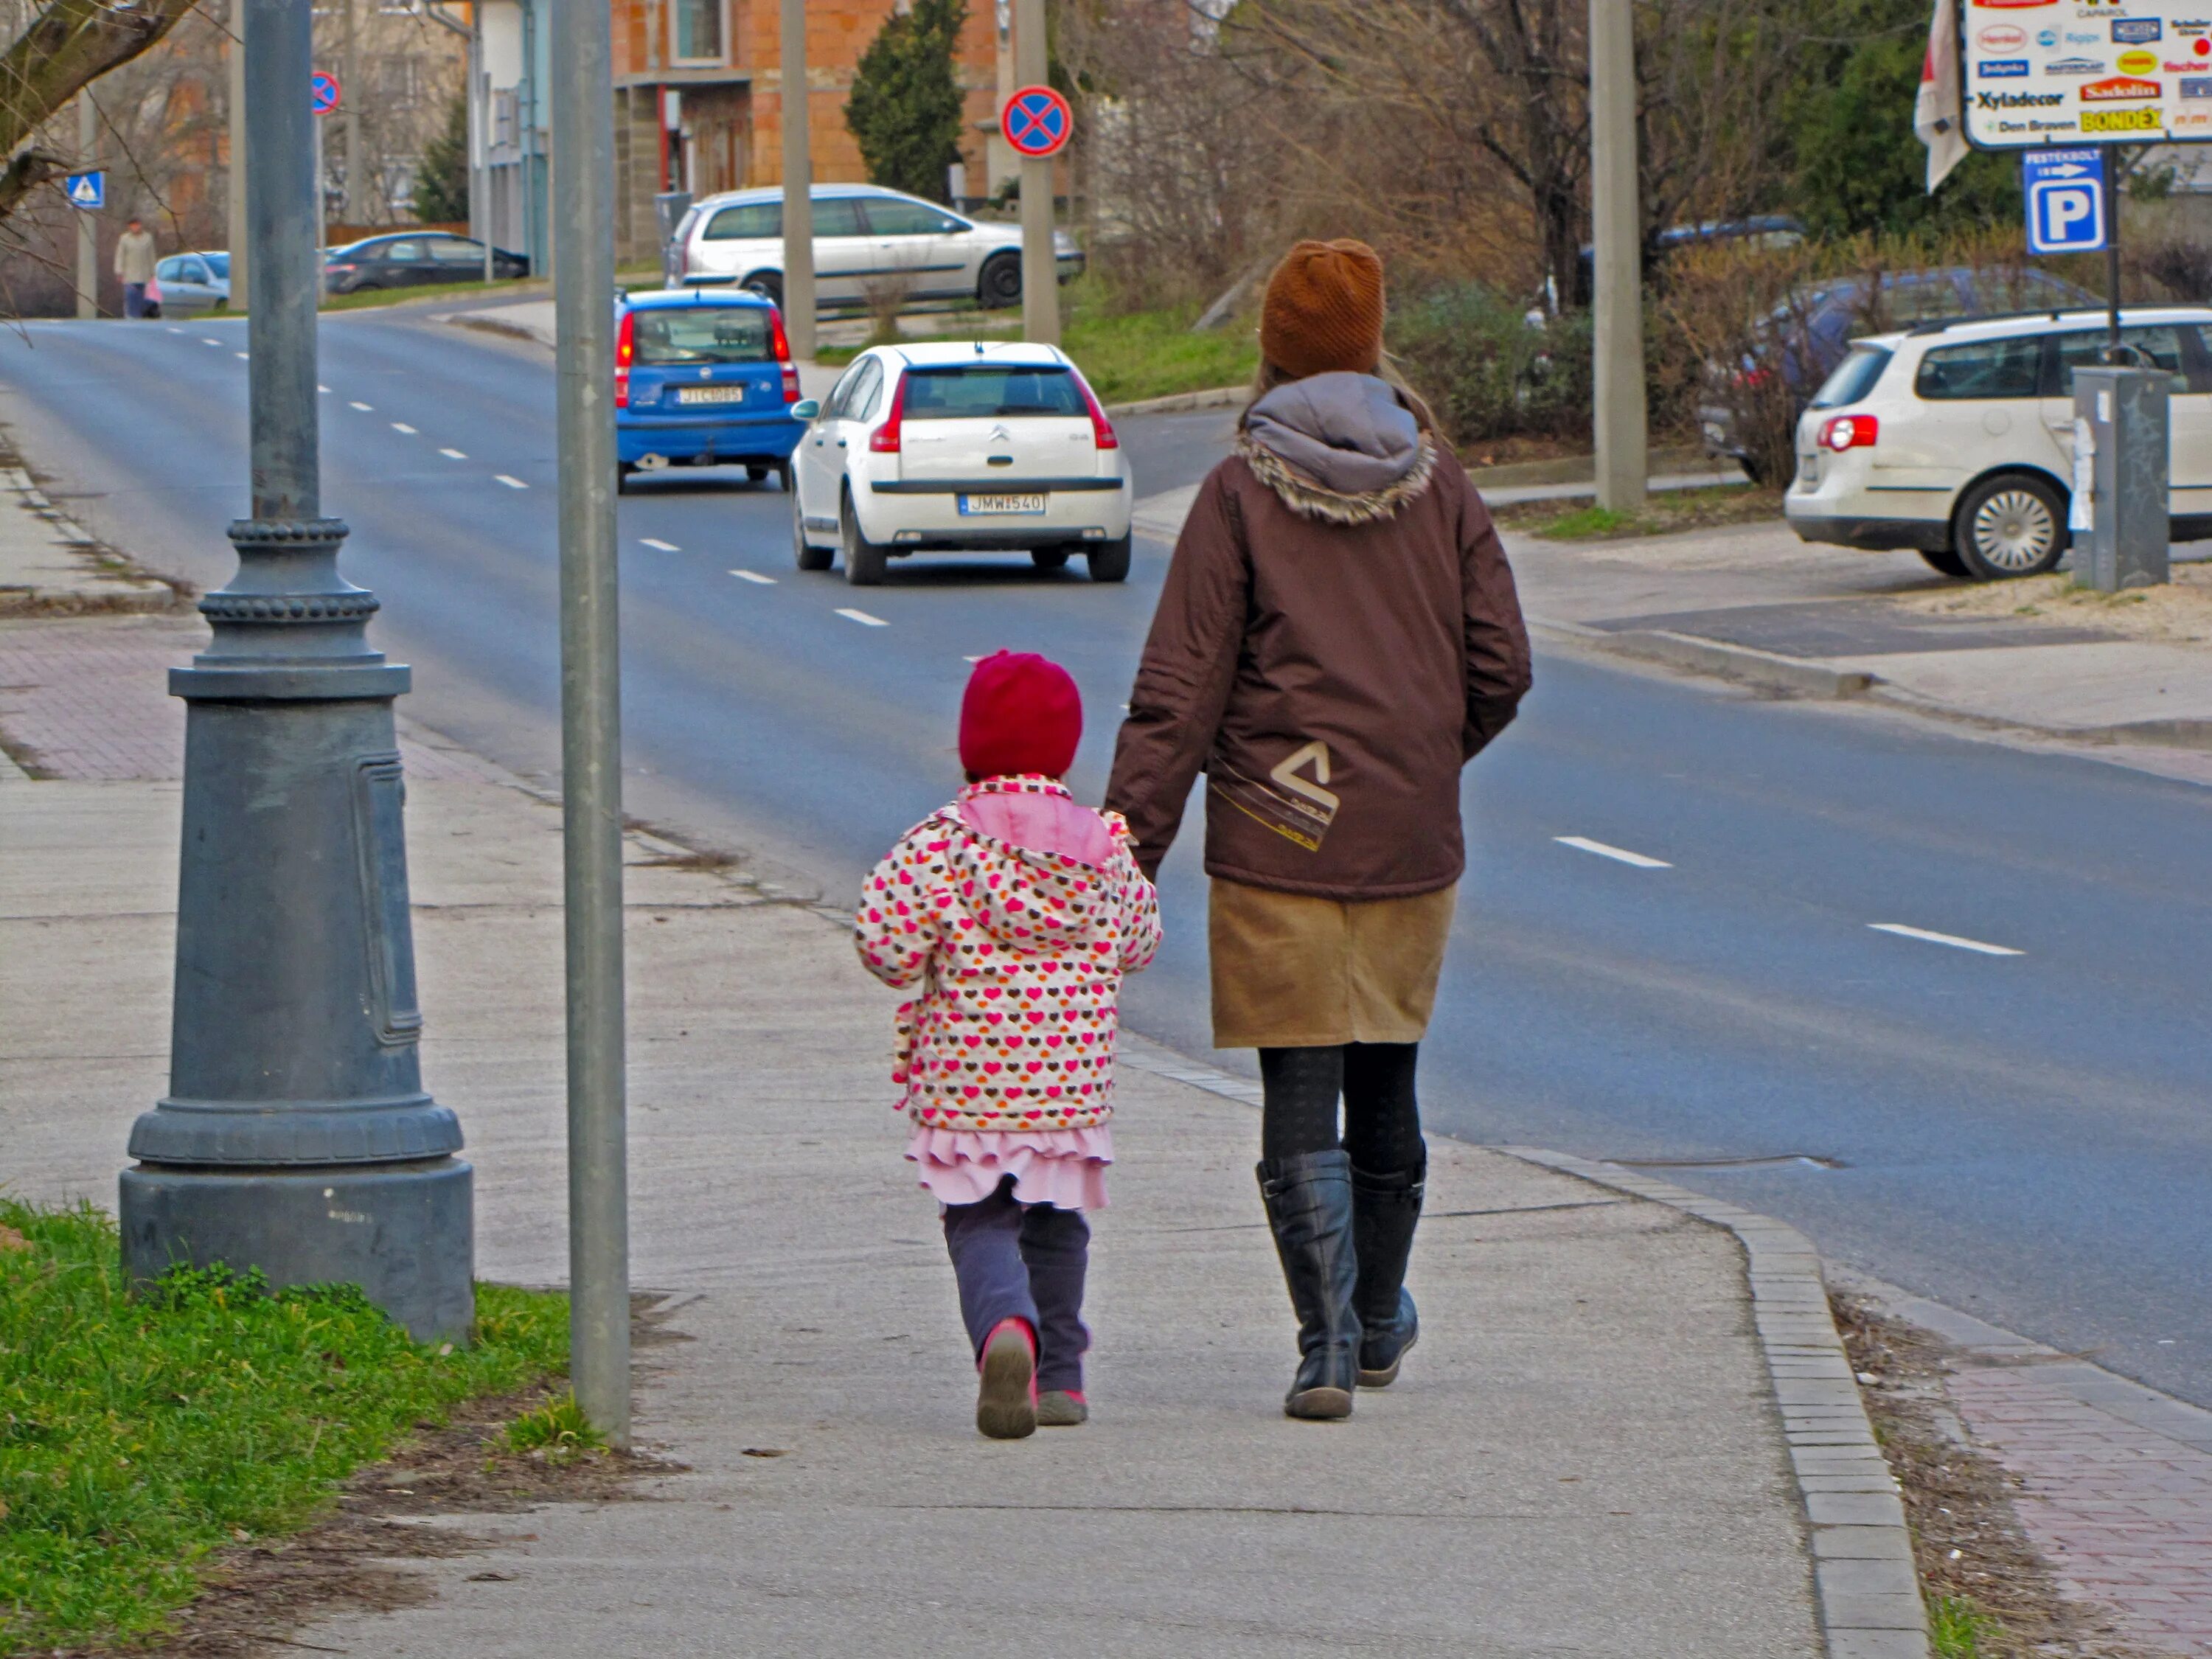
86 190
323 86
2065 190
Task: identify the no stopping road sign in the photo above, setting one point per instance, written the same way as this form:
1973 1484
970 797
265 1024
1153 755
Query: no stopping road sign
2065 192
323 88
1037 121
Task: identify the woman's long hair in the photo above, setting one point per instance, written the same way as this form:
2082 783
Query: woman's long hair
1270 376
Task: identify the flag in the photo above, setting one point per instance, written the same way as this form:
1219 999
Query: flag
1937 115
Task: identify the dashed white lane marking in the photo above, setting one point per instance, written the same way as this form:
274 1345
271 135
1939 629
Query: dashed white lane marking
243 356
325 390
402 426
863 618
658 546
453 454
176 330
205 341
758 580
971 660
1620 854
1951 940
366 408
512 484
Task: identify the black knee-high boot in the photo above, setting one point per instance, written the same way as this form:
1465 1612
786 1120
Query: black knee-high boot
1385 1209
1308 1199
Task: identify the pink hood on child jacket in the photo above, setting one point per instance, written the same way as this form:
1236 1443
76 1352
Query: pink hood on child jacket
1034 874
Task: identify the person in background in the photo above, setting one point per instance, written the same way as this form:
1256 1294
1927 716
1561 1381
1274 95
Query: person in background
134 267
1338 636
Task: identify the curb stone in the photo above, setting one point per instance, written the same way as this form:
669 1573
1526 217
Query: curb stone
1177 403
1765 669
1869 1599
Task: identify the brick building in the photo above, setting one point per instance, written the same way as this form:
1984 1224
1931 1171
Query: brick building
699 98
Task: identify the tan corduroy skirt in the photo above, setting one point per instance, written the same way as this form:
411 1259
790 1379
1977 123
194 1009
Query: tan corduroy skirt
1295 972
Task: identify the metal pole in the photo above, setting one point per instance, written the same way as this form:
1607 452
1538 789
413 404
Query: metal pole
1040 265
2111 159
240 289
88 227
355 198
797 187
590 712
296 1136
322 198
1621 440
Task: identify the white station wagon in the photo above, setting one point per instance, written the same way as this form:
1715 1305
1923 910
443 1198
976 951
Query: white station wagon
960 446
1956 438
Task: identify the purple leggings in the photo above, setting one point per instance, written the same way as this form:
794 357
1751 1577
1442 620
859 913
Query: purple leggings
1016 1260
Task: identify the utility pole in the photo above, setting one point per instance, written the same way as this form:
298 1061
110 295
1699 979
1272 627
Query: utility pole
355 199
1040 264
295 1137
239 289
590 712
1622 460
797 187
88 227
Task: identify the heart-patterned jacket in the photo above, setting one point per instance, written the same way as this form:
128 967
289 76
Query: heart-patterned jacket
1019 945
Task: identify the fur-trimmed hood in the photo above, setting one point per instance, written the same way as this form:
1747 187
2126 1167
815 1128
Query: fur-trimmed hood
1338 448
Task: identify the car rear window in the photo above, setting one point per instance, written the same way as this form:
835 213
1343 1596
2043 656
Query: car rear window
2010 367
746 222
987 392
1854 378
666 335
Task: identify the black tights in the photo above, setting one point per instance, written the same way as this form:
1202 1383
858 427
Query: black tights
1381 1118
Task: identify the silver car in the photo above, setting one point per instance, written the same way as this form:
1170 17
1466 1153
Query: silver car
193 282
867 241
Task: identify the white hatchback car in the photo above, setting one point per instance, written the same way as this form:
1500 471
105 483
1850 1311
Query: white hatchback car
1955 437
980 444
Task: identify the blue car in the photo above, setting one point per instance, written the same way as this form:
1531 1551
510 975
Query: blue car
703 379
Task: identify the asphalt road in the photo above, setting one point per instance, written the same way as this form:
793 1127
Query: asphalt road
2023 1135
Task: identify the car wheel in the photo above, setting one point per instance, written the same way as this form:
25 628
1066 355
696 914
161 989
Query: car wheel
803 552
756 474
768 285
783 478
999 286
1943 561
1110 561
1049 558
622 470
864 559
2014 524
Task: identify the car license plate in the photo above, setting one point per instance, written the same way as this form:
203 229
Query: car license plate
1002 503
710 394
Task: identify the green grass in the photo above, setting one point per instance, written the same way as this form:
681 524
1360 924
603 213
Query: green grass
138 1434
1126 357
558 1427
370 299
1664 512
1956 1627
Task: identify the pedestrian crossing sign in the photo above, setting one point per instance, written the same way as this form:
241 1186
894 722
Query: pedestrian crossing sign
86 190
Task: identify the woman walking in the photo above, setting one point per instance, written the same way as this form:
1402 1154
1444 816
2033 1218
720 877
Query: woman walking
1337 637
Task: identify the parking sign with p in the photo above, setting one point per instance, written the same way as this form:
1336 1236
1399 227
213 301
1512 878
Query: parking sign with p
2065 192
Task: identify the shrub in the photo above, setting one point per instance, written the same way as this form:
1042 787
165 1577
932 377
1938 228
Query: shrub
1489 372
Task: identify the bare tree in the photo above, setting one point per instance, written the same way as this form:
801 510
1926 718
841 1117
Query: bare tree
62 48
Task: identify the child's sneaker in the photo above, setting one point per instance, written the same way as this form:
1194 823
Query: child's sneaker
1006 1398
1061 1408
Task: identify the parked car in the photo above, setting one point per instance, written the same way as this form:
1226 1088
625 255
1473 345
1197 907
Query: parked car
1804 336
1766 230
192 284
703 379
864 237
961 446
410 258
1955 437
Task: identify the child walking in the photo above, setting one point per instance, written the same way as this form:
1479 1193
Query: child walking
1016 912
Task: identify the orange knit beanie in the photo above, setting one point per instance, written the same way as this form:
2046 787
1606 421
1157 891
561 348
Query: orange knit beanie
1323 312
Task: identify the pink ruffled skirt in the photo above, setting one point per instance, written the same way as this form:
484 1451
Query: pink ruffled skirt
1064 1168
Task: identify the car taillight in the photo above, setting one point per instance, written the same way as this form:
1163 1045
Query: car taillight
884 440
1102 430
1849 432
1751 380
783 353
625 349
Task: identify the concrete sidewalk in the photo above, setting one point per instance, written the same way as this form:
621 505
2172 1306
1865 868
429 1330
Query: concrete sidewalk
1585 1455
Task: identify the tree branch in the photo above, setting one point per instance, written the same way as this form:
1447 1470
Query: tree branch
68 45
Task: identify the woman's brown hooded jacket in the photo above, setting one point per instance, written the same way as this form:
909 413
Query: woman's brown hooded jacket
1338 636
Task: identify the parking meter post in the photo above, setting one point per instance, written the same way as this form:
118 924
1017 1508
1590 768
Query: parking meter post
797 187
296 1136
1039 263
2123 413
591 712
88 227
1620 437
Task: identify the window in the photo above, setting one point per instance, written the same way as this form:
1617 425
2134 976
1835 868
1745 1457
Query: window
842 393
1987 369
2085 348
891 217
839 216
219 263
453 251
193 271
698 30
861 401
1853 377
404 253
748 221
669 336
169 270
954 394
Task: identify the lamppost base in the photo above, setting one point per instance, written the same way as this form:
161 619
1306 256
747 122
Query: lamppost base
403 1232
